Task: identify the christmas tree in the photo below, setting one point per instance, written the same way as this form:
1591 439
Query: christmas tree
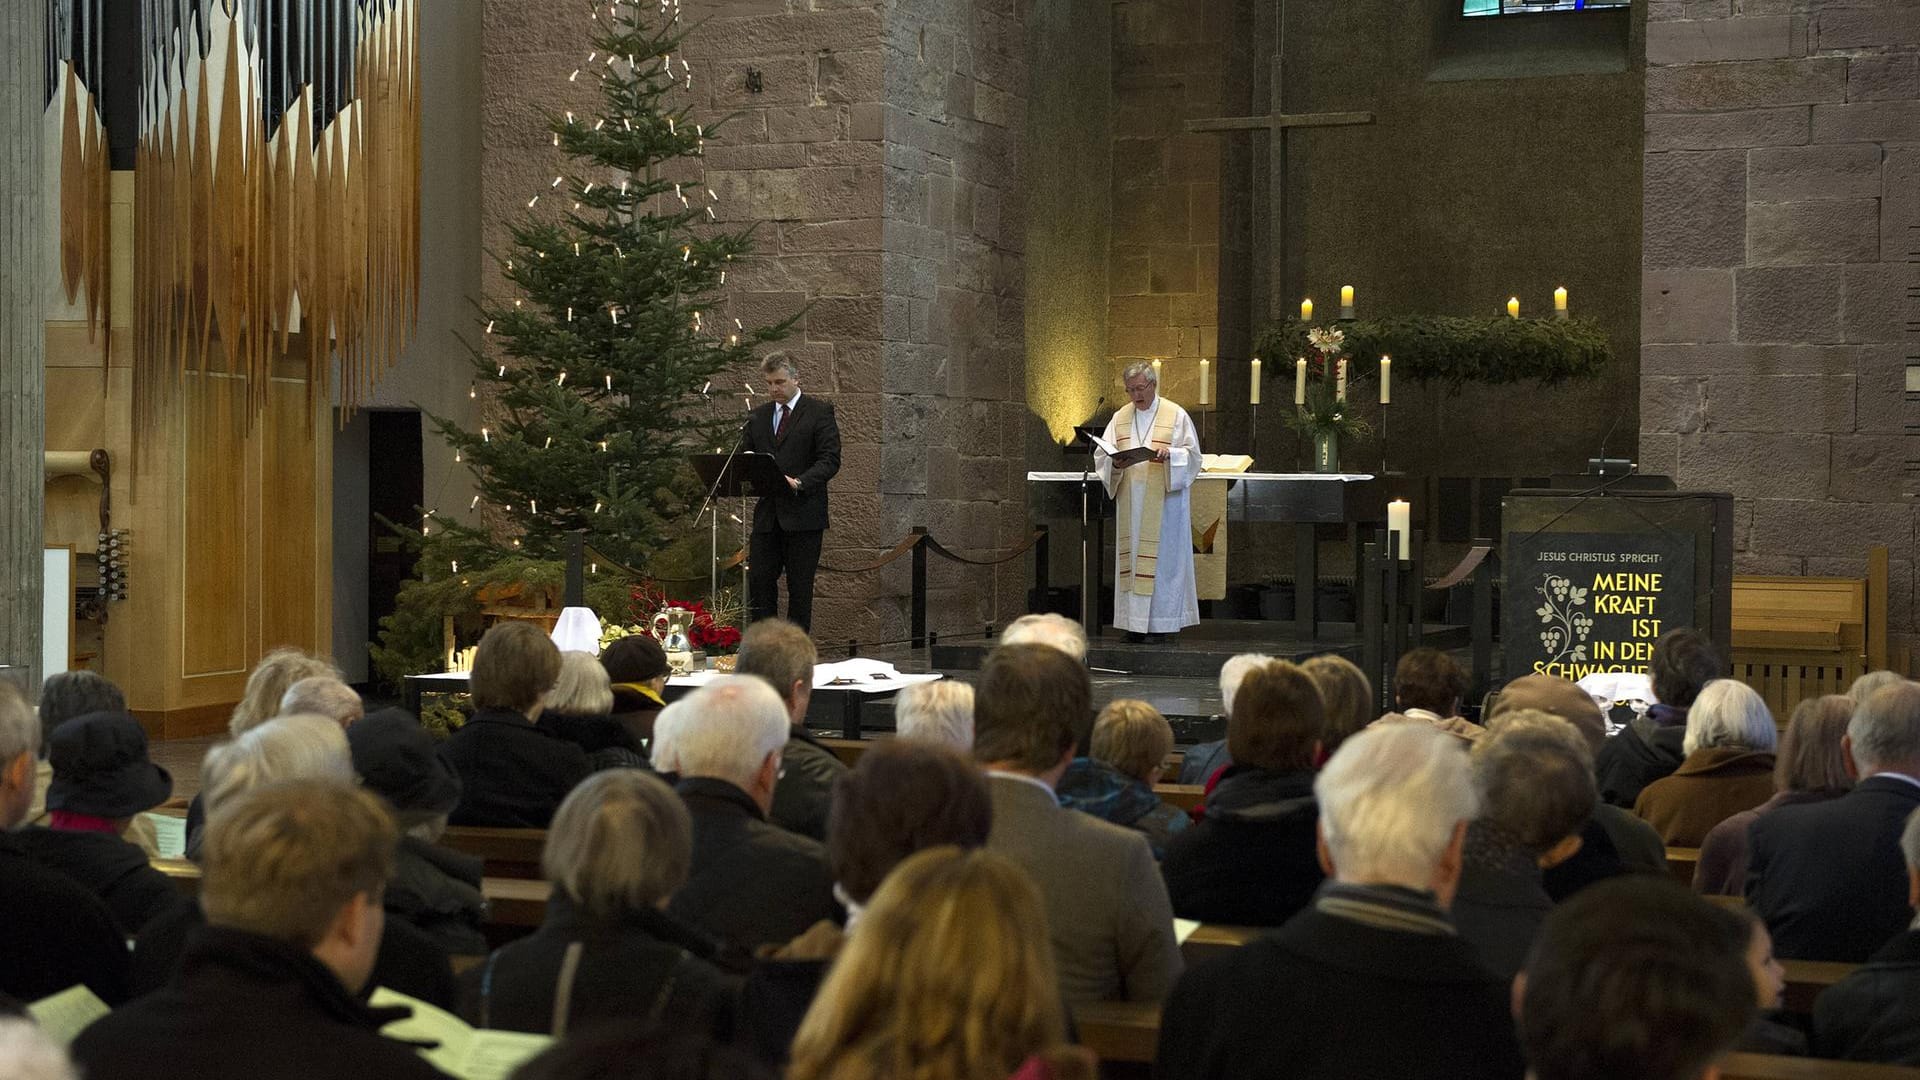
600 366
597 368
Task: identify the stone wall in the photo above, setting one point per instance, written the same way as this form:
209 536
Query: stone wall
1782 200
876 147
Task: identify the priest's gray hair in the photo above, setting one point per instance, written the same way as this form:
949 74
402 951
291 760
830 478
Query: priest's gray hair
1143 367
778 361
729 728
1048 629
1390 800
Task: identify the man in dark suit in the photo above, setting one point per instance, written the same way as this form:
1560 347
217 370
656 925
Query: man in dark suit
800 433
1828 877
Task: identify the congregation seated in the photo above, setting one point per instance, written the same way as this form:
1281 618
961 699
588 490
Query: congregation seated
66 695
1874 1013
102 779
636 668
619 847
267 686
1204 761
1729 743
1684 661
949 976
657 1052
282 750
1371 980
749 881
1811 767
579 709
903 796
1635 977
938 712
323 695
1865 686
54 933
1250 860
1828 877
1428 686
782 654
270 985
1107 909
1536 783
1114 782
513 772
1613 841
434 888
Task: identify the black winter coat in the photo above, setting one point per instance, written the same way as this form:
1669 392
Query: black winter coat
1251 859
752 883
1874 1013
112 869
1643 751
438 891
803 796
54 933
245 1007
513 773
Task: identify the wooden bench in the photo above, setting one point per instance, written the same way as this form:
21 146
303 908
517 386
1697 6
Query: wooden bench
1800 637
1681 862
513 853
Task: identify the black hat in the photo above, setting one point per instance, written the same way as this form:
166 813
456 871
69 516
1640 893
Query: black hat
634 659
397 760
100 767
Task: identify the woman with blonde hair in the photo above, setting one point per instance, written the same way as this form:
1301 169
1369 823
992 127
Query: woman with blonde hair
270 680
951 977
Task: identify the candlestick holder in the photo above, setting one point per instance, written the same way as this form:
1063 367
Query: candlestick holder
1253 435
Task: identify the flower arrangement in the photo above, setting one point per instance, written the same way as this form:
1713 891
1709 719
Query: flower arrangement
1327 412
715 631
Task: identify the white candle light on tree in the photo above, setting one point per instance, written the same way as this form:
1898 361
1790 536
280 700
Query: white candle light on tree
1346 301
1513 307
1300 381
1399 527
1206 381
1254 398
1386 380
1560 302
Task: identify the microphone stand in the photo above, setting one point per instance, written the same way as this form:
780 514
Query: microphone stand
1089 574
713 493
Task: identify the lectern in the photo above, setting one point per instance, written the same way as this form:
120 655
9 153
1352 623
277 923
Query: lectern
735 476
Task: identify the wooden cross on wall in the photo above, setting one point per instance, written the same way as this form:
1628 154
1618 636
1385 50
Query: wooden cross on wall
1276 123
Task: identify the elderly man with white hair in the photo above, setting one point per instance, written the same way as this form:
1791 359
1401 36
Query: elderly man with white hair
937 712
1371 980
1153 585
53 932
1203 760
324 695
1048 629
751 882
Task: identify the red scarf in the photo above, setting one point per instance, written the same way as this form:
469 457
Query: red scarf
68 821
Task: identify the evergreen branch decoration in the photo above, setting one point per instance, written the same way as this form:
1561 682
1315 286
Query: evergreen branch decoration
1454 351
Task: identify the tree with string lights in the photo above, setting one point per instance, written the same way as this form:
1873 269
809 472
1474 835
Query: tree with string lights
602 357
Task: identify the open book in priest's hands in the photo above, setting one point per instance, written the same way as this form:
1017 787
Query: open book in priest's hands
1122 459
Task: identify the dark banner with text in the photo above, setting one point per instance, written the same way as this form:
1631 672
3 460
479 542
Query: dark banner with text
1580 603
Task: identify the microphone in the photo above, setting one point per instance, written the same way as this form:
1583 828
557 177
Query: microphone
1611 428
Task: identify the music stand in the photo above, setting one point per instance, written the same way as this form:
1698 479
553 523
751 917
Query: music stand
731 476
1092 544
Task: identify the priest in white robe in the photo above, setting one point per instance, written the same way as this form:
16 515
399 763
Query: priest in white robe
1153 587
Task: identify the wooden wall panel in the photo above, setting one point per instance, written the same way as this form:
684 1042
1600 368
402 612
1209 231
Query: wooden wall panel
290 520
213 526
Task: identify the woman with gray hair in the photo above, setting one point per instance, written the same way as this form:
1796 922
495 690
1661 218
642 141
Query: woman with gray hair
939 712
579 709
1729 744
620 845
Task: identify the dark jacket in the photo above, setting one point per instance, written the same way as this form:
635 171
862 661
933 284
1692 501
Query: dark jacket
408 961
112 869
246 1007
1643 751
588 732
1201 761
1722 869
751 883
780 989
54 933
1828 878
1097 788
1500 902
1598 859
635 712
642 970
513 774
802 797
438 890
1711 785
1251 859
1330 998
1874 1013
807 449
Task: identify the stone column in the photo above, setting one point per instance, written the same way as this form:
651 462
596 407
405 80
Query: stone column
23 226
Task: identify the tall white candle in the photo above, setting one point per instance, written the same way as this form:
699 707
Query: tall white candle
1346 301
1340 380
1300 381
1156 375
1386 380
1399 528
1206 381
1254 399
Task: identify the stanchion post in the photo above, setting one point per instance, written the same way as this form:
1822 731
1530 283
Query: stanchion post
919 598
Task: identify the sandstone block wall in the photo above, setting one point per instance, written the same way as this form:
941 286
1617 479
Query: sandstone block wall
1782 204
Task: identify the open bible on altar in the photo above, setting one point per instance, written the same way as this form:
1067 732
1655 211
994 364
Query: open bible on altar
458 1049
1122 459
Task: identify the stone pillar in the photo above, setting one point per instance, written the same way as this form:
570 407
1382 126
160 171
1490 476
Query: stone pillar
1782 202
23 228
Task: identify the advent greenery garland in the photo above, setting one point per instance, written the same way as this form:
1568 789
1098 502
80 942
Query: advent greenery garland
1454 350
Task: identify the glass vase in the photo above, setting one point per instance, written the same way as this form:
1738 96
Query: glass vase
1326 452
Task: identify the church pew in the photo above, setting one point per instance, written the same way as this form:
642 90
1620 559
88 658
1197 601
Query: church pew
511 853
1805 980
1681 862
1181 796
184 875
1775 1067
519 902
1211 940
